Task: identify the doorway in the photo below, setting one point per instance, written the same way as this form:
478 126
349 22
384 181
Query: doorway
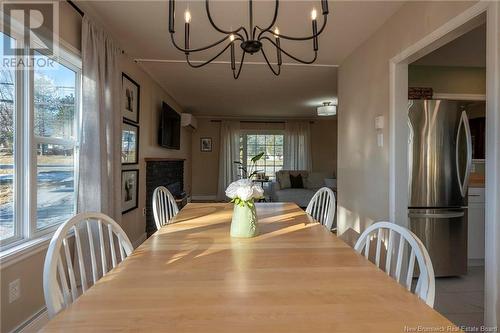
399 174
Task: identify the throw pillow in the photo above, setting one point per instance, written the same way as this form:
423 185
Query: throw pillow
283 179
296 181
304 174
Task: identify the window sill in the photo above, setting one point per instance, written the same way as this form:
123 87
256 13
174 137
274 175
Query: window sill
24 250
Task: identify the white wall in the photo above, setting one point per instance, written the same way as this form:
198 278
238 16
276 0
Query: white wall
363 167
363 181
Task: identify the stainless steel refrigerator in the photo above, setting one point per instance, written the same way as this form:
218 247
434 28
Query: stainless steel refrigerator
440 158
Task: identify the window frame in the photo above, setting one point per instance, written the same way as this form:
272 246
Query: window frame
25 147
245 133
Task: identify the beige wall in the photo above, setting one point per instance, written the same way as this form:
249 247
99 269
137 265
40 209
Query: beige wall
363 168
205 172
152 96
324 146
449 80
205 164
29 269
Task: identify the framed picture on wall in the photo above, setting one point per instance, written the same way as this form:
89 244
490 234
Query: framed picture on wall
206 145
130 188
130 143
130 99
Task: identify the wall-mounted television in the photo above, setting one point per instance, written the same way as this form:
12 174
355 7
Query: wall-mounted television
169 134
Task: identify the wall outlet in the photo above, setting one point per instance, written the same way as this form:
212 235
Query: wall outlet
144 211
14 290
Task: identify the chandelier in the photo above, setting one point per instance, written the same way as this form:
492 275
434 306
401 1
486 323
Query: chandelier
251 41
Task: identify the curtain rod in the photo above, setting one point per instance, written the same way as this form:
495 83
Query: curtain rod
81 12
76 8
256 121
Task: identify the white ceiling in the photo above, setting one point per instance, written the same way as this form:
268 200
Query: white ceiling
141 28
469 50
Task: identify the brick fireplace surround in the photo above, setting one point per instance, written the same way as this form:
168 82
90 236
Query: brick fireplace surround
168 173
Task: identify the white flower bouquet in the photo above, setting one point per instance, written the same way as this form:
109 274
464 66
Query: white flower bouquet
243 192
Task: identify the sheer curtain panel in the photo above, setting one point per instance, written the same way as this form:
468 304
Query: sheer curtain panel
297 146
99 186
229 152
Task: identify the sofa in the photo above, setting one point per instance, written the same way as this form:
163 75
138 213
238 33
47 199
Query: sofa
281 191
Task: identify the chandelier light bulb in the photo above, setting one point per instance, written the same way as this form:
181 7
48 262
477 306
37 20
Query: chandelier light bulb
187 16
276 32
314 14
231 37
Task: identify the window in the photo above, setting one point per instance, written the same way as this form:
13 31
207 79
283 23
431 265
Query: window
39 113
269 143
7 148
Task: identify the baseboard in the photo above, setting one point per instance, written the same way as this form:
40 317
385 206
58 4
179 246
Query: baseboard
33 324
475 262
140 240
204 197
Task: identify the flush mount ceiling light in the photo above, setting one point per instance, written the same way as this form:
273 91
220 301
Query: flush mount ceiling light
251 40
328 109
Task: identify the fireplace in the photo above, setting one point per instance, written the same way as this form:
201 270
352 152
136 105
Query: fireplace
168 173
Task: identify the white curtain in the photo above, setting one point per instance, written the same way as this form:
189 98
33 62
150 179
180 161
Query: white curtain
99 186
229 152
297 146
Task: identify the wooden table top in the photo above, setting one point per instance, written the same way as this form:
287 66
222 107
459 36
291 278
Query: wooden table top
294 277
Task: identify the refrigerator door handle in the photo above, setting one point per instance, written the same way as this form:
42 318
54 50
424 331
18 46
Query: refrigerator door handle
464 183
436 215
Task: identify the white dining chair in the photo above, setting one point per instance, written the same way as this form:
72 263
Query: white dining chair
76 241
322 207
386 234
164 206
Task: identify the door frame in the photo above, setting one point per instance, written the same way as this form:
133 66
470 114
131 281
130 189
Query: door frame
398 133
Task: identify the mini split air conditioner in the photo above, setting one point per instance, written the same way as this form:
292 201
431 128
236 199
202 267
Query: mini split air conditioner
188 120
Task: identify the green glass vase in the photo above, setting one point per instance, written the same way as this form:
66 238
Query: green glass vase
244 223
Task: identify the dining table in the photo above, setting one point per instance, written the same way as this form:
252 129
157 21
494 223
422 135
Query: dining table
295 276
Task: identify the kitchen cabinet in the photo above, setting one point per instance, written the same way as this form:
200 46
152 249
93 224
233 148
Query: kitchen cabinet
475 218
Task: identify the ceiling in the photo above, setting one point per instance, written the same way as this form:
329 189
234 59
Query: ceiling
469 50
141 28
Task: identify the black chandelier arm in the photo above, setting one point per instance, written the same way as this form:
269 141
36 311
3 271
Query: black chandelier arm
207 7
208 61
270 26
236 74
269 64
305 62
198 49
325 19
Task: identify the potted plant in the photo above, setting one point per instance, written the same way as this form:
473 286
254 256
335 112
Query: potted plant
243 194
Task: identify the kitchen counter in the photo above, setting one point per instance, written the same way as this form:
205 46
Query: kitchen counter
476 180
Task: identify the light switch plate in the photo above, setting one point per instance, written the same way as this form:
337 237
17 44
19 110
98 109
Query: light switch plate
380 140
379 122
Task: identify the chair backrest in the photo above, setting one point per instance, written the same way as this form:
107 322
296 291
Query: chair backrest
386 234
77 240
164 206
322 207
